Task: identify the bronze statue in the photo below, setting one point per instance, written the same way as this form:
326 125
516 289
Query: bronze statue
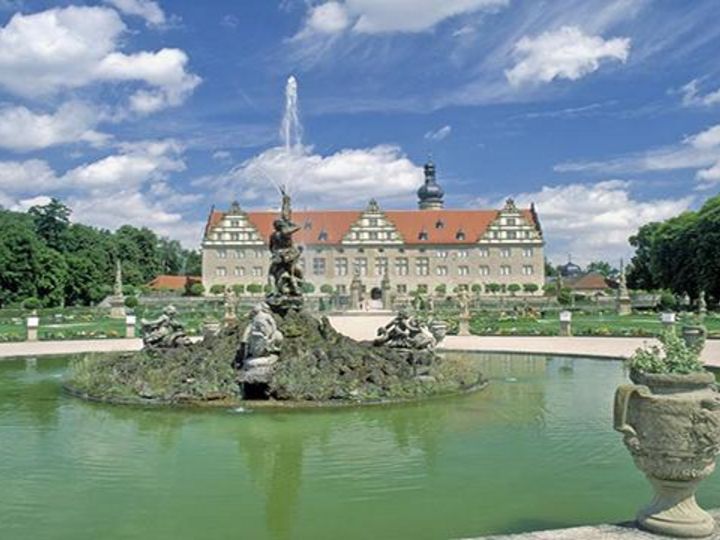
286 277
164 332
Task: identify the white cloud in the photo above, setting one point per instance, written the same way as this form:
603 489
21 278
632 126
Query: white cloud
22 130
594 221
374 17
346 178
700 151
566 53
24 205
26 177
691 95
147 9
439 134
222 155
67 48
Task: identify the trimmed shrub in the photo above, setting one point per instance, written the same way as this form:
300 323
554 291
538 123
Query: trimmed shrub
197 289
326 289
530 288
514 288
254 288
31 303
131 302
441 289
216 289
238 288
476 288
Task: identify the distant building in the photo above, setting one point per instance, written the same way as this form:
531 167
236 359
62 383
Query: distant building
590 284
417 249
173 283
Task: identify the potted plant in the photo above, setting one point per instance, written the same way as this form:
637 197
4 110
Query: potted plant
694 334
670 420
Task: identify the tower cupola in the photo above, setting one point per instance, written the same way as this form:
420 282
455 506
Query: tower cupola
430 194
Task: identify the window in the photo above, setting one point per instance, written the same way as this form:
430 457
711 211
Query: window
221 271
239 271
373 235
307 225
373 222
341 289
257 271
323 236
505 270
402 266
462 253
234 236
422 266
381 266
259 253
441 254
511 221
527 270
460 235
439 224
341 266
222 254
484 270
463 271
402 289
512 235
441 270
319 266
423 235
234 223
505 252
361 266
527 252
483 252
240 254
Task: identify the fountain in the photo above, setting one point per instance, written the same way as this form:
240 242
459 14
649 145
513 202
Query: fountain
279 352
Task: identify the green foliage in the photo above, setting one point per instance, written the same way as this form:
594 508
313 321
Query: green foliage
51 221
514 288
603 268
238 289
31 303
196 289
530 288
441 289
493 288
667 301
476 288
254 288
422 288
672 356
267 288
131 302
564 296
326 288
217 289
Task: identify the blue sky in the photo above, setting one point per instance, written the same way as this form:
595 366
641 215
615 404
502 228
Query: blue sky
603 112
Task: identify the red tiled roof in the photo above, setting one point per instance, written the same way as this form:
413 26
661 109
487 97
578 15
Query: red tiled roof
591 281
333 223
173 282
409 223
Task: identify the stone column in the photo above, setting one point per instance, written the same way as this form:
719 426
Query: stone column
566 323
33 321
130 321
385 288
355 292
668 321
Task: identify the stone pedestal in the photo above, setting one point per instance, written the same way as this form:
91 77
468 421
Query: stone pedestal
130 321
355 293
32 327
117 307
464 326
385 288
624 305
566 323
668 321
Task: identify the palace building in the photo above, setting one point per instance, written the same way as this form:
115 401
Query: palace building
488 251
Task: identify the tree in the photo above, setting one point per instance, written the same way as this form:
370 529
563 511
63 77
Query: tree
514 288
193 263
550 270
494 288
600 267
196 289
531 288
476 288
51 221
326 288
218 289
441 289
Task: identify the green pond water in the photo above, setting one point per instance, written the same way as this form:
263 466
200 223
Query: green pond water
534 450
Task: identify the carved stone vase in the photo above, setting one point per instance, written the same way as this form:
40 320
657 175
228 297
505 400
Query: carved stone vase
671 426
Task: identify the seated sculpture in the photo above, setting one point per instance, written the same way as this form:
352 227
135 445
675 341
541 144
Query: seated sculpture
262 337
165 332
405 332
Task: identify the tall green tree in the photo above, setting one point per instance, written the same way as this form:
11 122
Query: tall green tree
51 221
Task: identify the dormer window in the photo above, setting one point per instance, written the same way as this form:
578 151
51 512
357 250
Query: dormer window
323 236
439 224
423 235
460 235
307 225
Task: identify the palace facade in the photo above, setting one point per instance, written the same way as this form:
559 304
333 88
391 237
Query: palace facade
497 250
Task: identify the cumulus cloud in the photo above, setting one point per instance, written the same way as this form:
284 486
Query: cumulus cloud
67 48
566 53
373 17
594 221
691 95
147 9
700 151
439 134
348 177
22 129
26 177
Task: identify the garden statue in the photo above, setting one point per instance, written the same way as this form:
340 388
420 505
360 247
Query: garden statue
463 303
624 303
229 302
702 305
286 277
405 332
164 332
261 337
117 300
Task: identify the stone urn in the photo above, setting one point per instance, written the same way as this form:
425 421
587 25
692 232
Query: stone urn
694 336
439 330
671 426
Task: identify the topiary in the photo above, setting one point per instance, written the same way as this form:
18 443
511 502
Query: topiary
31 303
216 289
131 302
